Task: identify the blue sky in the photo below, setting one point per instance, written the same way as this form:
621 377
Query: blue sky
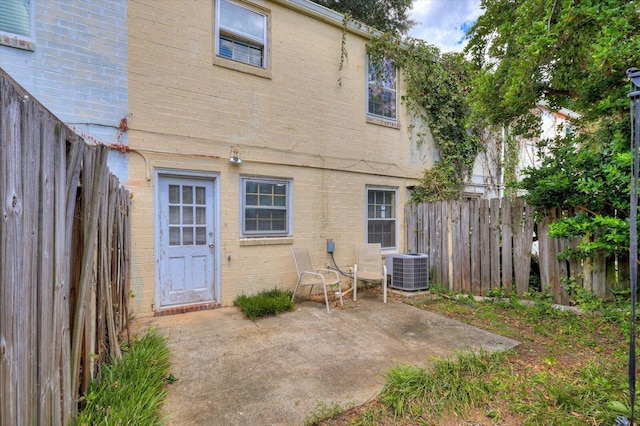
444 23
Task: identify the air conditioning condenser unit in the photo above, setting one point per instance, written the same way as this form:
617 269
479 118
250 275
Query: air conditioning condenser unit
409 272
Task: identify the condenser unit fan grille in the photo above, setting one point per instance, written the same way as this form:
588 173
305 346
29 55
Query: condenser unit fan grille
410 272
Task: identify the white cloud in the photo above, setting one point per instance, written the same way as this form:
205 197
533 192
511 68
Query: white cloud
444 23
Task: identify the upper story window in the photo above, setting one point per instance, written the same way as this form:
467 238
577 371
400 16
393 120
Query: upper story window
16 23
241 33
382 216
382 91
266 207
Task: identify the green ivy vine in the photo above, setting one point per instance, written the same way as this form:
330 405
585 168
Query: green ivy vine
436 95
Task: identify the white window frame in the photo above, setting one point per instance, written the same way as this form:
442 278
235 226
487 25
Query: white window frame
20 41
386 85
240 39
384 212
288 216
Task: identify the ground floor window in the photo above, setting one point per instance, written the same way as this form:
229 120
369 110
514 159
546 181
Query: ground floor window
266 207
382 216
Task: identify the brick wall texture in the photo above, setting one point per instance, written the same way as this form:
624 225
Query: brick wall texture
294 121
78 68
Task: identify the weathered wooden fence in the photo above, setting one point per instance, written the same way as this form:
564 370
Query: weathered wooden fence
478 245
64 247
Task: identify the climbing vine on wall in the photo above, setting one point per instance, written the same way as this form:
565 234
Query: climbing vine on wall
436 94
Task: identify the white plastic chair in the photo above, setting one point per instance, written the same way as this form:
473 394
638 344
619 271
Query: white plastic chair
369 267
308 276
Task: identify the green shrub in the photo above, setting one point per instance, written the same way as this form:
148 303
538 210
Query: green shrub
268 302
131 390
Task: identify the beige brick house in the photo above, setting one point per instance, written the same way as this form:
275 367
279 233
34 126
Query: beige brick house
246 138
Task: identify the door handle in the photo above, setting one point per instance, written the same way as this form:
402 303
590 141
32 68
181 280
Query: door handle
211 245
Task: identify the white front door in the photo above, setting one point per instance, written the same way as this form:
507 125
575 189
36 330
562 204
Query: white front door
186 241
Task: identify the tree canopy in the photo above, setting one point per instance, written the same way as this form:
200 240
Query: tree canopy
384 15
572 54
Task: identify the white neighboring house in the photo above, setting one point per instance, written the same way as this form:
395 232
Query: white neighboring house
488 177
72 55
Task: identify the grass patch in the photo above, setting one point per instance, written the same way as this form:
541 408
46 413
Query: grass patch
131 390
460 383
269 302
325 412
570 369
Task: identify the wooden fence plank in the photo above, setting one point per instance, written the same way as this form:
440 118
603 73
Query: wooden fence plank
456 247
411 231
446 245
475 247
96 176
107 278
431 225
494 242
69 175
485 253
436 242
30 124
423 243
465 255
598 274
12 386
507 245
48 213
553 282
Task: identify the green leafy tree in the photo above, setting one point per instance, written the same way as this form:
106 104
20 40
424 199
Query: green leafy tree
572 54
384 15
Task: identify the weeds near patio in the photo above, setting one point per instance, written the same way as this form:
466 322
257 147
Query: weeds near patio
131 390
570 369
458 383
325 412
269 302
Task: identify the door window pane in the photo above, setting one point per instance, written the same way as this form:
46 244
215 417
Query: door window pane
174 236
201 235
174 215
201 215
187 236
201 195
187 194
174 194
187 215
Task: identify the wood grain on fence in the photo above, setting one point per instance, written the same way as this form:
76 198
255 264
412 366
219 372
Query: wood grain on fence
488 244
61 300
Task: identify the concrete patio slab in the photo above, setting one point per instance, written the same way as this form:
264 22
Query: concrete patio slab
232 371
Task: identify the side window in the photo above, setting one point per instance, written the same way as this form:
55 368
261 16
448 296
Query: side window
382 217
266 207
382 90
241 33
16 23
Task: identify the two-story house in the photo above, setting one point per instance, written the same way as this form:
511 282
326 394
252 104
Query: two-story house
251 132
72 56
